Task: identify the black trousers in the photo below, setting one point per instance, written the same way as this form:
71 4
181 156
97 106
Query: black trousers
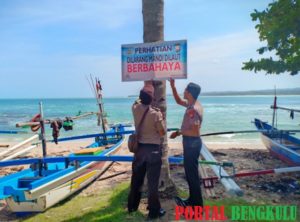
147 159
191 151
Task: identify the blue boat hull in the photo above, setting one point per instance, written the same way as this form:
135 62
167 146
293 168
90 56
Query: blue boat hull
281 145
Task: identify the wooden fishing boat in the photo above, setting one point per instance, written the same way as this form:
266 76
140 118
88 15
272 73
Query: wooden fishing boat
280 143
43 185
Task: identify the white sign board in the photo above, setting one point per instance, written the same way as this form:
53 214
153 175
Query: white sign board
154 61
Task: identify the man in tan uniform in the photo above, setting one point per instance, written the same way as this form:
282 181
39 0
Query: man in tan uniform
148 157
190 131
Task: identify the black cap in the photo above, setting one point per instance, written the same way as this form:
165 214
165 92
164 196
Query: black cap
194 89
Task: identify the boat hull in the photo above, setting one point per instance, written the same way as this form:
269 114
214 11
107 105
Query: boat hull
281 152
281 145
57 194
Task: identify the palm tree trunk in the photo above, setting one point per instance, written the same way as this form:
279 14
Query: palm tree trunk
153 18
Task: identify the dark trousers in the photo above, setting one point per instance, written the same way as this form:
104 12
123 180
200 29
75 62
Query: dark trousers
191 151
147 159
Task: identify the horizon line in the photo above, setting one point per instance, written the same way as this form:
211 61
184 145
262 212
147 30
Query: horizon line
133 96
210 93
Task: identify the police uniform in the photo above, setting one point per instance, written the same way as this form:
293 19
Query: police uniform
191 151
147 159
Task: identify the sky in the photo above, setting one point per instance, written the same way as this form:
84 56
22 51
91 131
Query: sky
48 47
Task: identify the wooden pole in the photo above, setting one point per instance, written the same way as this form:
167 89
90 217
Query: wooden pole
100 103
283 108
47 121
43 137
274 110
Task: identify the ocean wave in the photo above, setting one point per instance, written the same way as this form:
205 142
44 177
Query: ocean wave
226 135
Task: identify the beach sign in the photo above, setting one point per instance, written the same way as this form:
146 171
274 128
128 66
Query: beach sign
154 61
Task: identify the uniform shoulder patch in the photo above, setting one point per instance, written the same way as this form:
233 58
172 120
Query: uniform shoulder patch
191 113
155 108
137 101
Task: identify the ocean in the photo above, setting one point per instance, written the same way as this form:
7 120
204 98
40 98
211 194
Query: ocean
221 113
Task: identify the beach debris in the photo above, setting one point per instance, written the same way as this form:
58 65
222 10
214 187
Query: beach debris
218 153
86 208
257 155
283 185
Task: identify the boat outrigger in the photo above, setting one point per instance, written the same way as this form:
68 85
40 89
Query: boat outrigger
38 188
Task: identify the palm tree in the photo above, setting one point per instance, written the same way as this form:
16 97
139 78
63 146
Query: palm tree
153 19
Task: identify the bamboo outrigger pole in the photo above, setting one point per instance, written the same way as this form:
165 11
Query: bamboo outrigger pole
80 158
230 185
19 152
18 145
250 131
258 172
12 132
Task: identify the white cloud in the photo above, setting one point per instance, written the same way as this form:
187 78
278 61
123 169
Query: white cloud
223 48
215 63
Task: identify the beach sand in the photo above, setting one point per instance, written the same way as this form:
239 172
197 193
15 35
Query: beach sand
246 157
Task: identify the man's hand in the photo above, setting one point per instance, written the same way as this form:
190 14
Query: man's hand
148 82
175 94
174 135
172 83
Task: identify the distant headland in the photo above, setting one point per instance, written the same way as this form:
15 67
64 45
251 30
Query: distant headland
289 91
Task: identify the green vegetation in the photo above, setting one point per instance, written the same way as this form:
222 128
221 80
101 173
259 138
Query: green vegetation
110 205
279 26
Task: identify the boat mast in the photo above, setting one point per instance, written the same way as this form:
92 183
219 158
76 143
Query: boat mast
97 91
274 107
100 103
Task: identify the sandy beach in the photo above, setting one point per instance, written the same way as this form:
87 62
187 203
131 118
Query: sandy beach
245 157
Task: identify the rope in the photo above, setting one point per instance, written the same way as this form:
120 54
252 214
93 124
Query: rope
114 175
